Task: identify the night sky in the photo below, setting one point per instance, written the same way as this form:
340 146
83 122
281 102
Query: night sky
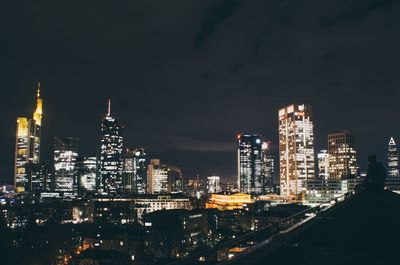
186 76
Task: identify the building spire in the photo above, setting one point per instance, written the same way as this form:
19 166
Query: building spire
37 115
109 107
38 90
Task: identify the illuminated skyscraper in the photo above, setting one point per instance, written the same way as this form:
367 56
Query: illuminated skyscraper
37 128
342 155
323 165
296 149
111 164
213 184
268 168
250 163
175 179
27 144
39 177
157 175
87 173
135 171
393 159
65 170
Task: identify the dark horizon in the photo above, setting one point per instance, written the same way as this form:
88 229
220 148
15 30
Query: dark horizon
185 77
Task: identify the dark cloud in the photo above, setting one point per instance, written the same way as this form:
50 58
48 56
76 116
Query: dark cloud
186 76
188 144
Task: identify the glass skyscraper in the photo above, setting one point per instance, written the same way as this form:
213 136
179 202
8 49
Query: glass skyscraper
87 168
135 171
268 168
27 144
65 171
111 164
342 155
393 159
323 165
157 177
250 163
296 149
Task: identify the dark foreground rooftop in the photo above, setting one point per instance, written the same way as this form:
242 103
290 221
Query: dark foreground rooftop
363 230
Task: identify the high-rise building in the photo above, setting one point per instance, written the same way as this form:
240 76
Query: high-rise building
393 159
87 169
268 168
65 171
39 177
175 180
135 171
296 149
111 164
213 184
37 128
157 176
250 163
323 165
27 144
342 155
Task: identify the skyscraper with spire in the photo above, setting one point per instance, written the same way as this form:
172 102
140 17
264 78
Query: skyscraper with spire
111 164
393 159
27 144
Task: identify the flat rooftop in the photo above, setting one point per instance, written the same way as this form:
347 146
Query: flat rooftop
363 230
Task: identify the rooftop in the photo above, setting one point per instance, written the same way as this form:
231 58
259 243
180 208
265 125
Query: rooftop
363 230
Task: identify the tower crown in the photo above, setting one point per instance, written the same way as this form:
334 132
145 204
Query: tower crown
37 115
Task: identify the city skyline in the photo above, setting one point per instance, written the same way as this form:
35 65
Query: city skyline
171 97
232 178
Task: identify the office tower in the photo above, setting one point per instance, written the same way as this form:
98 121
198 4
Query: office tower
268 169
38 177
157 176
323 165
135 171
87 168
111 155
393 159
213 184
175 180
27 144
128 172
249 163
342 155
296 149
65 172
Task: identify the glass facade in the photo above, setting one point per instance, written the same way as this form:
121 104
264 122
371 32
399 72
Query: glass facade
65 171
27 145
296 149
393 159
342 155
87 168
39 178
268 169
250 163
135 171
323 165
213 184
111 164
157 177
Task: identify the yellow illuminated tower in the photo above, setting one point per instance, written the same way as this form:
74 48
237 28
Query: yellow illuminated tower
27 144
36 128
37 115
21 153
